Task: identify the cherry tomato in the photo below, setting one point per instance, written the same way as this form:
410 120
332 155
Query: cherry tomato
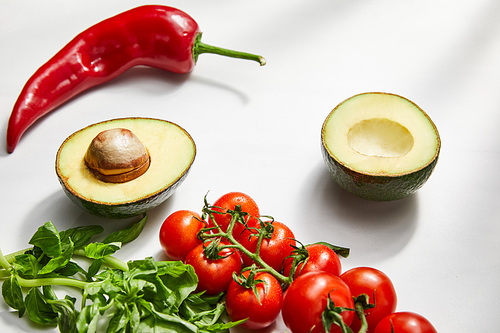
242 303
306 299
404 322
273 250
230 201
321 258
178 233
214 275
378 287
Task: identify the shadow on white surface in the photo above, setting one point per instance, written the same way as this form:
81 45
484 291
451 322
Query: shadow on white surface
372 230
11 322
65 214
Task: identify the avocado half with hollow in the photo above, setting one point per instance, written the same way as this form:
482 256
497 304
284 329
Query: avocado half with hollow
380 146
124 167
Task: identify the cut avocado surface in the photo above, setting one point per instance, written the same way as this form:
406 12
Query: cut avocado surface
380 146
171 150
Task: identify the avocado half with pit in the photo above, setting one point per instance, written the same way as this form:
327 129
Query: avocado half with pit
124 167
380 146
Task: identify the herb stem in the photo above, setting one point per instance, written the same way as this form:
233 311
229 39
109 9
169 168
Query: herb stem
3 262
110 261
11 257
29 283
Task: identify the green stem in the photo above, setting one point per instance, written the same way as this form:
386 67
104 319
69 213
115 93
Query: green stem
255 257
29 283
11 257
3 262
266 268
110 261
360 312
200 47
115 263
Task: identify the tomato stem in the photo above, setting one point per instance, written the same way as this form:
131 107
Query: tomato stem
238 216
360 312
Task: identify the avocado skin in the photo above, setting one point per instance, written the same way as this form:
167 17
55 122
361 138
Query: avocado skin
128 209
377 188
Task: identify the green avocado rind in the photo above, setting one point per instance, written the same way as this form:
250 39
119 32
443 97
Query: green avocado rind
128 209
135 206
381 184
376 187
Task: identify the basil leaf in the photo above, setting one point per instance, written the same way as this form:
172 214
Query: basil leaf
67 315
59 261
87 319
142 268
129 234
48 293
118 323
47 238
70 269
206 312
37 308
26 265
93 269
163 322
13 295
80 236
181 282
101 250
173 280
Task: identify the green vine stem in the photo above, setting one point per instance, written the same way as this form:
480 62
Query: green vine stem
239 216
360 312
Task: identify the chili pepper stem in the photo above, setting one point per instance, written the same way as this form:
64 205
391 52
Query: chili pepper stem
200 47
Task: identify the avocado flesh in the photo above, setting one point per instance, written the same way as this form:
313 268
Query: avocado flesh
172 152
380 146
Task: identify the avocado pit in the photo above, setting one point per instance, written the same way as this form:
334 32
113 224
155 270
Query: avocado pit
117 156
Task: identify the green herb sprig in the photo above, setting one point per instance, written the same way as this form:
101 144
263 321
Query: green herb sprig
137 296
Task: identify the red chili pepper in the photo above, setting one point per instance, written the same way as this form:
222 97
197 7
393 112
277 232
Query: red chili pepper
151 35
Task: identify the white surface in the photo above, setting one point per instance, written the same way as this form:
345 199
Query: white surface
257 130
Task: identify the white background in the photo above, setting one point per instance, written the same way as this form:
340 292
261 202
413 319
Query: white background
257 130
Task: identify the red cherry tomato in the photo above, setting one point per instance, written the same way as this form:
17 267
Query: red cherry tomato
230 201
242 303
321 258
178 233
380 290
404 322
273 250
306 299
214 275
